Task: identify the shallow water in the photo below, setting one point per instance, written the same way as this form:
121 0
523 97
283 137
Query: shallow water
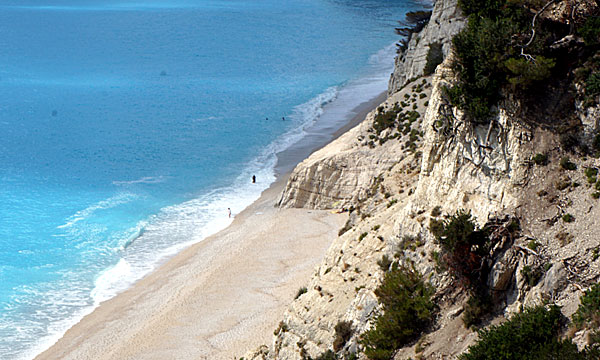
128 129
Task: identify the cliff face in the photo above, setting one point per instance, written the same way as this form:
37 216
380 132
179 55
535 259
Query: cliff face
344 173
446 21
392 187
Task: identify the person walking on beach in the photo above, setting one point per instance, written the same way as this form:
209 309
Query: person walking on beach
229 212
254 179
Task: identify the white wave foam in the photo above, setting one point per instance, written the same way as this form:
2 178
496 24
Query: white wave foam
111 202
144 180
304 115
383 57
111 281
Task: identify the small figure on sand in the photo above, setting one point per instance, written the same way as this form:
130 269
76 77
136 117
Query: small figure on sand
254 179
229 212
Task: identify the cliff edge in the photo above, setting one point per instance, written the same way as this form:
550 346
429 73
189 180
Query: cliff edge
418 162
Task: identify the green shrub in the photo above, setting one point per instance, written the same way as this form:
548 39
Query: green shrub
592 84
485 8
385 119
590 31
530 335
482 48
476 308
531 275
362 236
435 56
588 313
473 47
436 211
384 263
568 218
301 292
343 333
533 245
523 73
591 173
464 246
407 311
489 58
436 227
567 164
540 159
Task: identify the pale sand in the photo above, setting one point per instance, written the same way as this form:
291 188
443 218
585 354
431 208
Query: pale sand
222 296
215 300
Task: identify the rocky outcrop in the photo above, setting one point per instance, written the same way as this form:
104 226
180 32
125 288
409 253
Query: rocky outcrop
341 174
344 173
392 193
446 21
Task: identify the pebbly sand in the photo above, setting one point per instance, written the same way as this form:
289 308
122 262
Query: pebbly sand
220 297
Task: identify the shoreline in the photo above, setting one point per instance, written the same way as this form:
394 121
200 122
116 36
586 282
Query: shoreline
215 299
99 326
296 153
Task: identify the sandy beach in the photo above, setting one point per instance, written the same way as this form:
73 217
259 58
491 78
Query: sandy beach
214 300
222 296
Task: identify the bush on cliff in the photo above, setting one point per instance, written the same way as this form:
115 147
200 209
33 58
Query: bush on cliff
464 246
343 333
407 311
590 30
530 335
588 316
588 313
494 51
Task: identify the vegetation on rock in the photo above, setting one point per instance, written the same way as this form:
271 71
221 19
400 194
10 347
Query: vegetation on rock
506 47
407 310
415 22
588 313
464 246
530 335
343 333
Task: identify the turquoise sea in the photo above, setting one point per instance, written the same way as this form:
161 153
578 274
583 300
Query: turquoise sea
128 127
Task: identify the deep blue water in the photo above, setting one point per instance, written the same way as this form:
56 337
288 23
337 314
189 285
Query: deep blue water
127 128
